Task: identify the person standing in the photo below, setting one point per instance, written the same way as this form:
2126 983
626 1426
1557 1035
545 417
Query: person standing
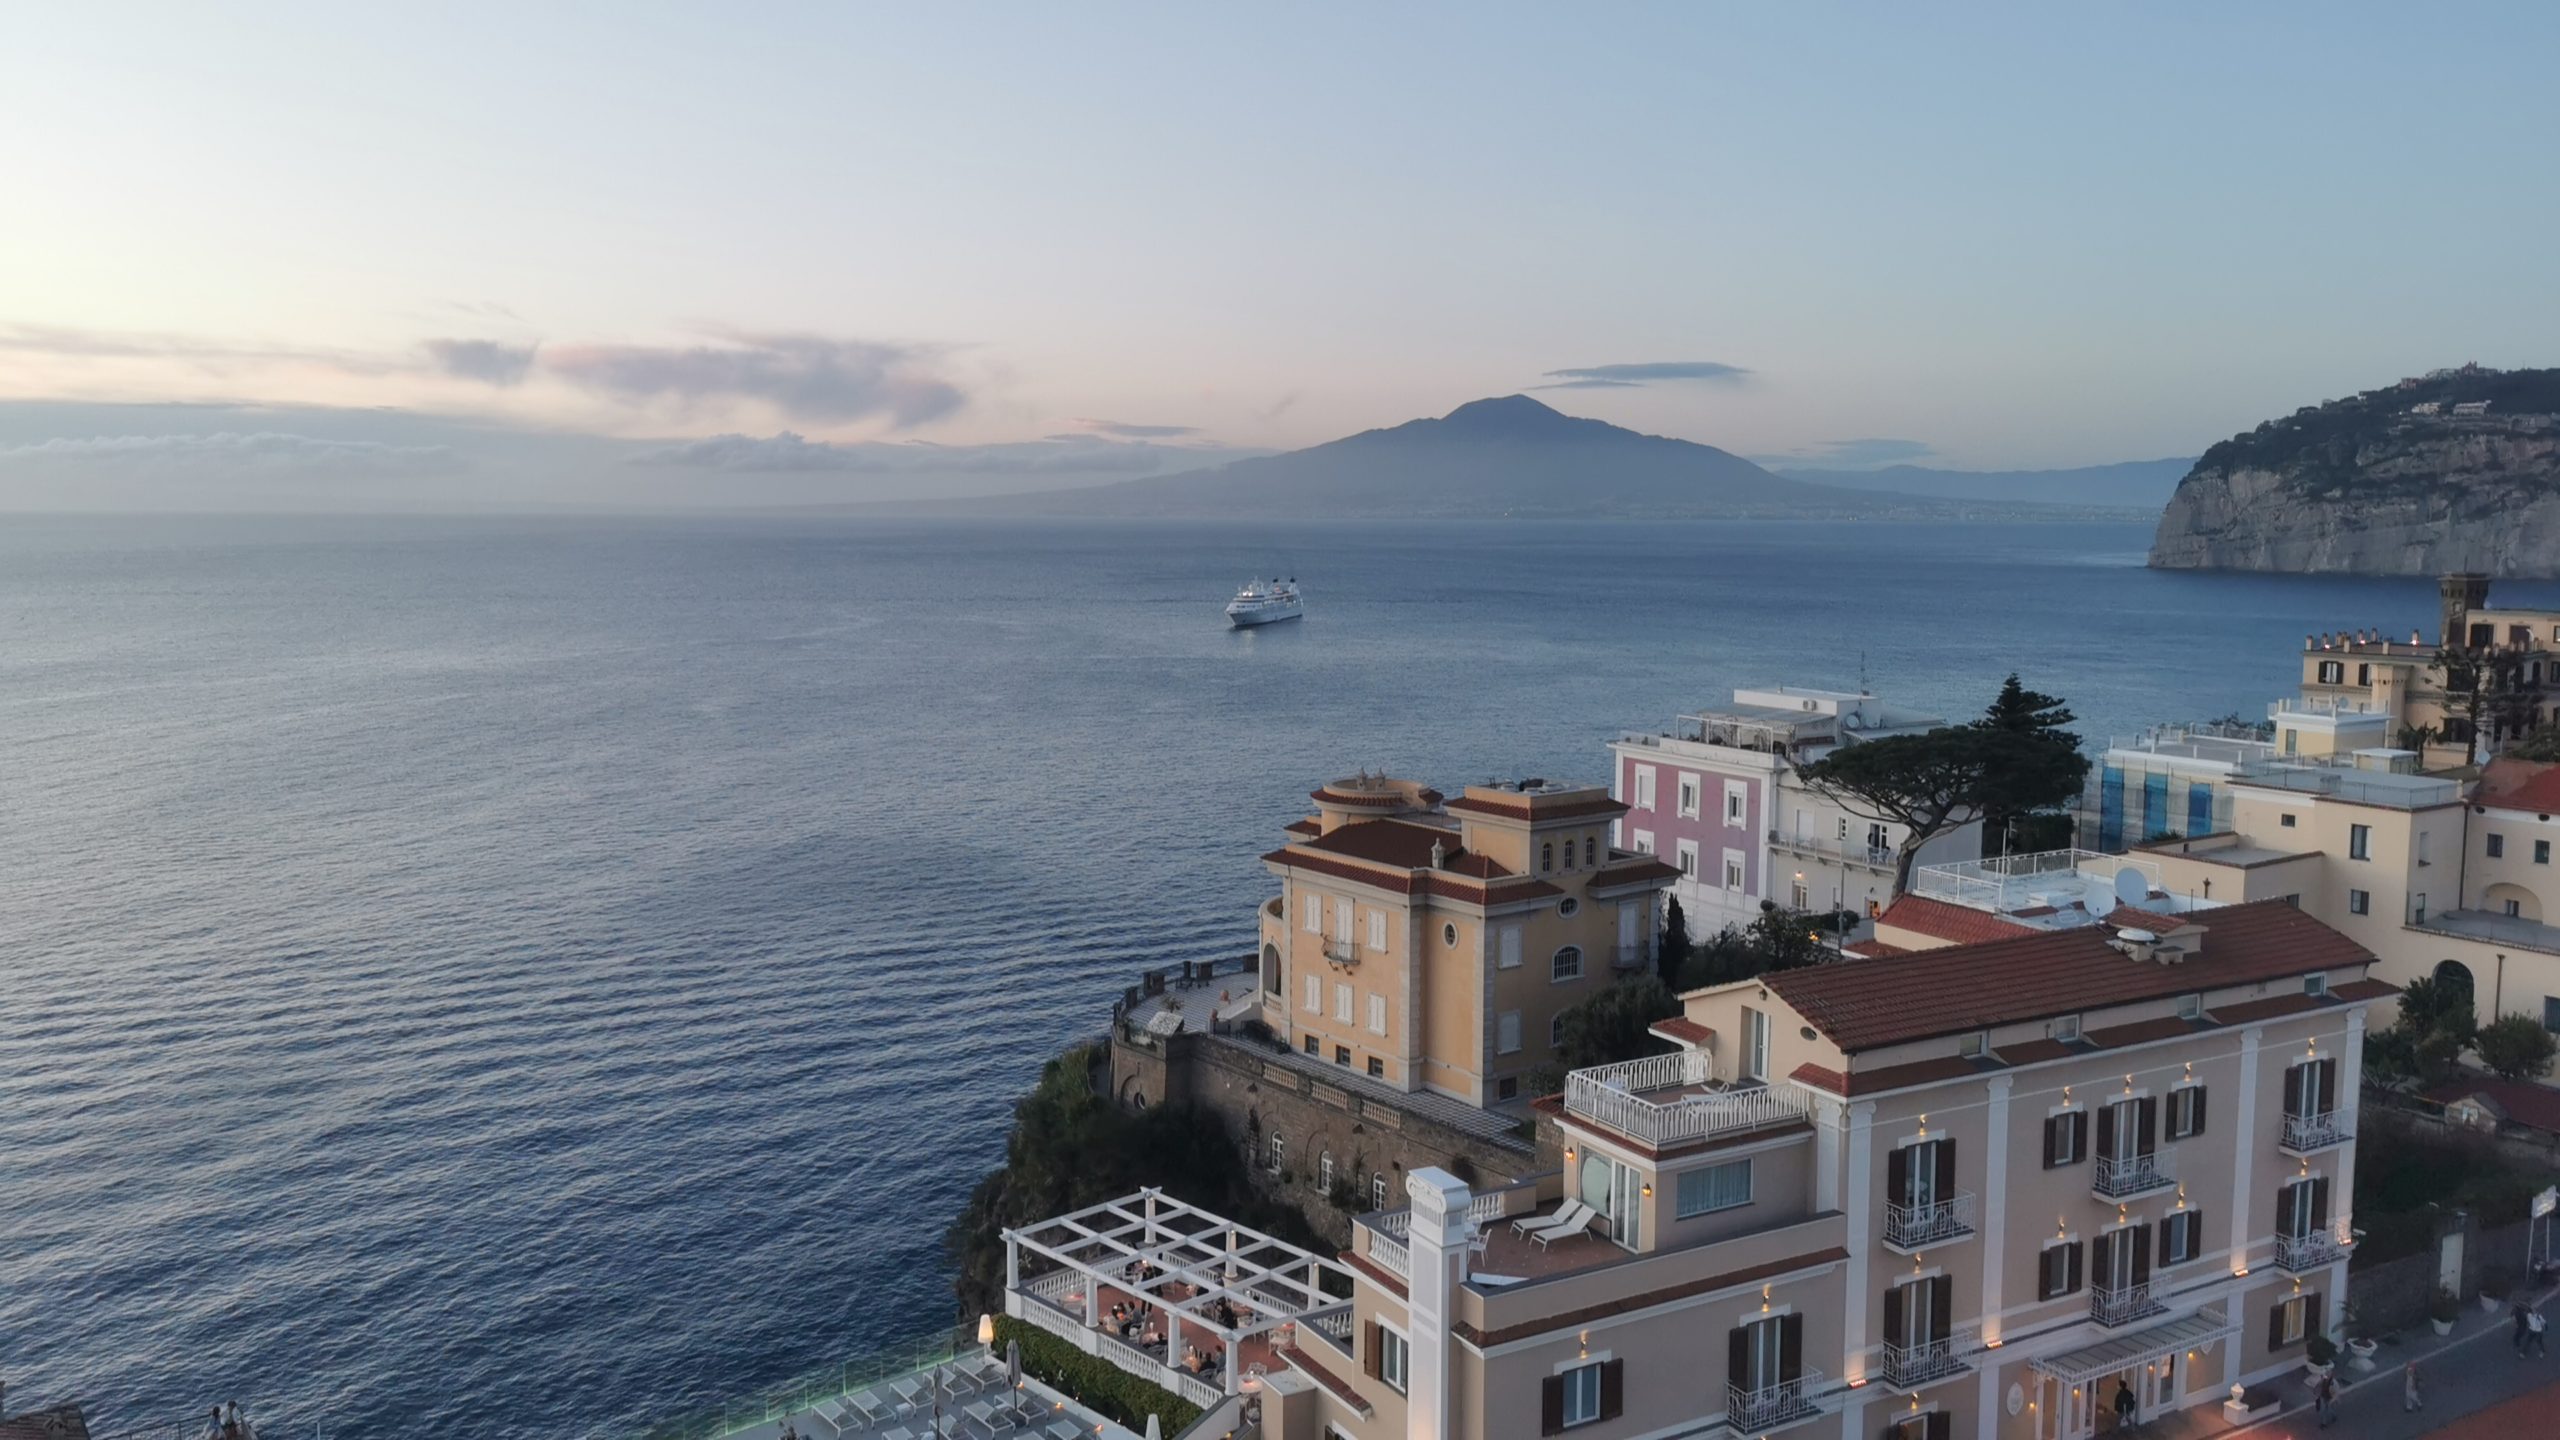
2521 1311
2124 1404
2533 1327
2410 1398
2326 1398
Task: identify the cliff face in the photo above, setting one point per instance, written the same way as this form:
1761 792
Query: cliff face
2365 486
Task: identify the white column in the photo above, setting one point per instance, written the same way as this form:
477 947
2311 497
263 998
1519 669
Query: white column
2342 1188
1228 1380
1435 1246
1988 1406
1995 1211
1092 1304
1861 1212
2244 1133
1012 1262
1827 1117
1853 1415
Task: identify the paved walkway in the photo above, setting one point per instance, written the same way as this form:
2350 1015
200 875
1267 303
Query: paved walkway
2462 1376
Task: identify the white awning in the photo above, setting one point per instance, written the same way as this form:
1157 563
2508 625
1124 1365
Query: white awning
2138 1347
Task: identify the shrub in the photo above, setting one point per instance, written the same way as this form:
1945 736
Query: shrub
2320 1350
2446 1306
1093 1381
2516 1047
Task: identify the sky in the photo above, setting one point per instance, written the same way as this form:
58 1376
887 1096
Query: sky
578 253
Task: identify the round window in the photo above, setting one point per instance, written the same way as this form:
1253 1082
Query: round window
1568 905
1449 935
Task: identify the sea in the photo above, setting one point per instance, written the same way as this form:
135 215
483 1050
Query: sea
537 977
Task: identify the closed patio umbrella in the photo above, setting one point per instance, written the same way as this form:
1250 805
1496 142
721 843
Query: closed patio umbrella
1013 1371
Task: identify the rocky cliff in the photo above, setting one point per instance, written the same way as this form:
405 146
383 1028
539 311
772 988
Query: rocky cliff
2389 482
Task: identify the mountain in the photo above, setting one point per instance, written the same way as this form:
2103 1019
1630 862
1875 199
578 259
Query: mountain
1504 457
2128 485
2387 482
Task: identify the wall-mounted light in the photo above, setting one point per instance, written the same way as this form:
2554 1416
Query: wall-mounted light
1568 1154
1648 1189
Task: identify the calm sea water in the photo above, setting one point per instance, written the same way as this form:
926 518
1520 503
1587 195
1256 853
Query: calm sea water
532 977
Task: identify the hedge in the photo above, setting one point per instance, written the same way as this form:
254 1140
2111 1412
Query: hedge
1093 1381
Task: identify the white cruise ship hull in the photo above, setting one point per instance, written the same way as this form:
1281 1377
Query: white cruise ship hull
1243 615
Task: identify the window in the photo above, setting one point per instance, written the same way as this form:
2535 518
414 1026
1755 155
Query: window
1802 901
1689 858
1378 930
2186 1112
1689 797
1644 787
2310 1088
1314 1046
1732 871
2425 836
1644 842
1755 1044
1555 1033
2333 672
2302 1208
1581 1394
2514 908
1392 1358
1315 994
1714 1187
2364 675
2359 842
1449 936
1324 1169
1737 801
2285 820
2067 1028
1377 1068
1547 856
1567 906
1342 1003
2058 1269
1508 957
2293 1320
1506 1033
1972 1046
1568 852
2418 908
2315 985
1311 913
2541 852
2497 846
2066 1138
1927 1425
2181 1237
2191 1007
2359 902
1342 1055
1506 1088
1567 964
1377 1014
1378 1189
1879 838
1278 1146
2551 1012
1590 849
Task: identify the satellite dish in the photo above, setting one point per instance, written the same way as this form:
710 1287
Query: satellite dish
1851 721
2132 886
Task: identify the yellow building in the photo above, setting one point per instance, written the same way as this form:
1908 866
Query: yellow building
1432 943
2362 690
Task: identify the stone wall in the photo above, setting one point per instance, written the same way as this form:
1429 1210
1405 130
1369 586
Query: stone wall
2394 1295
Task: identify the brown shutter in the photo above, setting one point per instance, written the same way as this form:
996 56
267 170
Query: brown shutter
1790 1347
1613 1388
1372 1352
2315 1320
2195 1115
2048 1273
2071 1264
1942 1425
1897 1175
2140 1237
2079 1135
2328 1086
1893 1307
1737 1355
1942 1300
2166 1227
2102 1253
2319 1203
1551 1405
2293 1078
2107 1130
1946 1167
2284 1209
2275 1328
2147 1112
2052 1154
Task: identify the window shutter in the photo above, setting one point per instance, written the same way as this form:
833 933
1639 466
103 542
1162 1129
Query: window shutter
1942 1300
1372 1352
2293 1090
2052 1156
2140 1238
1613 1388
2168 1227
1894 1302
1946 1168
1790 1347
2071 1264
2328 1086
1897 1175
2195 1116
2284 1209
2107 1130
2079 1136
2314 1319
1942 1425
2102 1254
1551 1405
2147 1113
2319 1203
1737 1356
2048 1273
2275 1328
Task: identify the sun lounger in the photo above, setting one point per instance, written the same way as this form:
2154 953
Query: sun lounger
829 1415
1554 1233
1572 1213
1496 1281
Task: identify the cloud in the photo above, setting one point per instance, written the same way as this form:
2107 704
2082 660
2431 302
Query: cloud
805 377
1126 431
1647 373
786 452
1591 384
232 452
68 342
1853 454
492 362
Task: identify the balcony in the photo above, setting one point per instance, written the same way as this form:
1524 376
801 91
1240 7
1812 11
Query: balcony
1926 1362
1672 1099
2299 1253
1845 852
1341 952
1635 956
2117 1179
2124 1304
1774 1407
2305 1135
1907 1228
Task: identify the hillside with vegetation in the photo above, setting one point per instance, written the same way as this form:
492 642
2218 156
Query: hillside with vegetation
2409 479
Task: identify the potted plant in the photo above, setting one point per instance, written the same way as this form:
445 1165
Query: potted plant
2320 1355
2442 1310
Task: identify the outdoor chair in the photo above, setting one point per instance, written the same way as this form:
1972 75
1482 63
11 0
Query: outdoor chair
1572 1213
829 1415
1554 1233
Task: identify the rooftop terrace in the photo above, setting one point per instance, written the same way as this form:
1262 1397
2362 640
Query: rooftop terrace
2363 787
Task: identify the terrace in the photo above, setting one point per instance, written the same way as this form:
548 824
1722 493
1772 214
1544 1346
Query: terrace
940 1386
1171 1293
1675 1099
1500 1255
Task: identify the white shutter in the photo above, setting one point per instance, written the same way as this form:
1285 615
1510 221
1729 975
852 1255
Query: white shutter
1378 1014
1377 929
1342 1003
1315 995
1311 913
1510 958
1342 921
1507 1033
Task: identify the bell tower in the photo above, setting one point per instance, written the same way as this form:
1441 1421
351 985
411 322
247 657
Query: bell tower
2463 592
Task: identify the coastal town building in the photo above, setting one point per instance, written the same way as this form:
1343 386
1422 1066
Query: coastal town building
1977 1190
2361 689
1720 797
1431 944
2167 780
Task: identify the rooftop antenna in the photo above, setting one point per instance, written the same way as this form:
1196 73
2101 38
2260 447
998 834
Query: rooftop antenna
1862 674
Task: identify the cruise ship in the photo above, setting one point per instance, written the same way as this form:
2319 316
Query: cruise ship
1259 603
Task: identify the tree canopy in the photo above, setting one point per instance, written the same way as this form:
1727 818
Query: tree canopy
2517 1047
1932 783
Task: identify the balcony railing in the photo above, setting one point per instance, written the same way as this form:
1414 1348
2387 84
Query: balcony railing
2298 1253
1341 952
1926 1362
1847 852
1391 1255
1939 1222
2123 1178
1633 956
2124 1304
2304 1134
1607 1095
1755 1412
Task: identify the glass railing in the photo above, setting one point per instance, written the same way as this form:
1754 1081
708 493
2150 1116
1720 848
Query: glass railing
916 1356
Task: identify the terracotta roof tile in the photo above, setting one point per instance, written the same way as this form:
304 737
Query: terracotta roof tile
2519 785
2364 990
1576 1319
2039 975
1683 1030
2273 1007
1820 1078
1303 827
1400 843
1643 870
2036 1052
1521 809
1340 1388
2534 1106
1917 1072
1876 950
2139 1032
1959 923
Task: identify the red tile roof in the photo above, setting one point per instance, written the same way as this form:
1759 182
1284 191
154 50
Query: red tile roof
1875 950
1304 827
2041 975
1576 1319
1507 889
1522 809
1641 870
2519 785
2533 1106
1400 843
1340 1388
1958 923
1683 1030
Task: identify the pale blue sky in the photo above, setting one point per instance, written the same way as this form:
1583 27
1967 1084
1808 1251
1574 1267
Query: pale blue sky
2015 235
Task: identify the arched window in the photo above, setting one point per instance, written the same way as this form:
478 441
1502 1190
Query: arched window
1279 1146
1590 849
2454 976
1271 968
1324 1170
1568 963
1547 856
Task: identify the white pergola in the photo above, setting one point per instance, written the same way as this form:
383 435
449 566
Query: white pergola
1150 1245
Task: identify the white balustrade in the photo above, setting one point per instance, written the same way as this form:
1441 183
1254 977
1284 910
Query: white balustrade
1607 1095
1910 1226
2306 1133
1771 1406
2117 1178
